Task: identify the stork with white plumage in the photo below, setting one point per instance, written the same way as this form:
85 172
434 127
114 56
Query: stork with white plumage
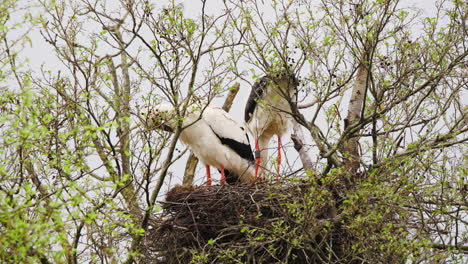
214 137
267 113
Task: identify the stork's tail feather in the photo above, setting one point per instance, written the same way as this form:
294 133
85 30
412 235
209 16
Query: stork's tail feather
231 178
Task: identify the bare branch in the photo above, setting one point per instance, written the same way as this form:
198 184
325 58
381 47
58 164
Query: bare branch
299 145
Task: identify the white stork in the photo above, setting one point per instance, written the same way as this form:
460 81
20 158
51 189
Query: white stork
215 138
267 113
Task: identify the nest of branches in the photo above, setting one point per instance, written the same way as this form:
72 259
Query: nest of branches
266 223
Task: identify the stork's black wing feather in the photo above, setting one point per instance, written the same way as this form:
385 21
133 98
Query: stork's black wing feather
229 132
240 148
256 93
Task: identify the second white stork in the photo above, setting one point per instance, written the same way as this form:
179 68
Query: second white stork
213 136
268 113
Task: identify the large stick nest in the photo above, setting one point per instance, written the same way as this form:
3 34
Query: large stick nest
227 224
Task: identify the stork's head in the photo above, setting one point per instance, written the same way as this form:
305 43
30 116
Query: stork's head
158 117
284 79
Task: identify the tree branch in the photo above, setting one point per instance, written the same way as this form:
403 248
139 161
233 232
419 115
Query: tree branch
298 138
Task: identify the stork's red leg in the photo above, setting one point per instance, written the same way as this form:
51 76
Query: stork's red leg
208 175
278 160
257 158
223 177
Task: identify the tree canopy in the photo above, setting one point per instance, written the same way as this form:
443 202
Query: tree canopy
382 103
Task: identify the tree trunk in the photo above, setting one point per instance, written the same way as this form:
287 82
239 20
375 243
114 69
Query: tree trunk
356 103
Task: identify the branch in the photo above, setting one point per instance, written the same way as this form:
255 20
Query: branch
230 97
316 135
418 147
190 167
462 249
298 138
307 105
